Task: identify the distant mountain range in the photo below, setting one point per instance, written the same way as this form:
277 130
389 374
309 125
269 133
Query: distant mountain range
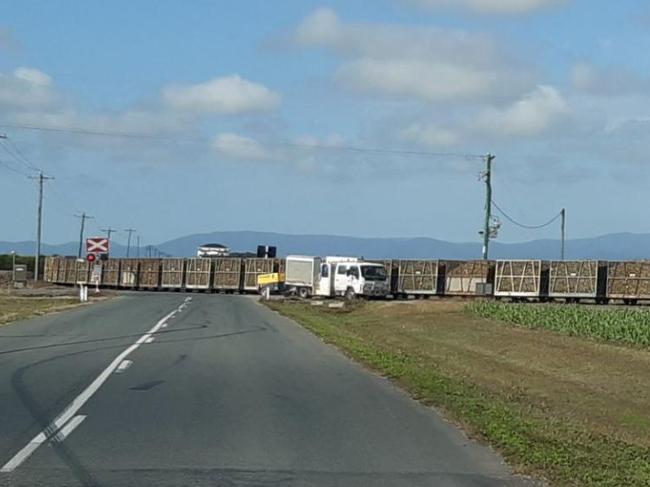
618 246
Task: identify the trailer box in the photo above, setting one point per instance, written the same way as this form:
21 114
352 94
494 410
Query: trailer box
82 272
253 267
111 272
149 273
129 273
227 274
197 273
521 278
417 277
302 271
172 273
468 277
577 279
628 280
48 269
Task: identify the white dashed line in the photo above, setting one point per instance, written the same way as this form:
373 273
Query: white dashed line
69 412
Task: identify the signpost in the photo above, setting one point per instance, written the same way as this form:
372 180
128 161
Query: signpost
97 245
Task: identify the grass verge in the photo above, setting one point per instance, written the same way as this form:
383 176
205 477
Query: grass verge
13 308
545 401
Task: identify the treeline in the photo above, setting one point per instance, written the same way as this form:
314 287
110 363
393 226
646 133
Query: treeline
6 261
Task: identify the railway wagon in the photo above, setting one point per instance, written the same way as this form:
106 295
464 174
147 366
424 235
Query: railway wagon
417 277
227 274
197 273
628 280
521 279
70 270
468 277
149 273
111 272
172 274
129 273
59 276
577 279
253 267
82 271
48 269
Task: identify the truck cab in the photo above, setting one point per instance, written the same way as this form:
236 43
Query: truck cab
359 278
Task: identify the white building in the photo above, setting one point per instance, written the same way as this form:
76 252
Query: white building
213 250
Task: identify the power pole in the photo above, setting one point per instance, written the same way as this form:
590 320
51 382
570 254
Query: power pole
83 217
109 231
488 204
128 244
563 230
39 219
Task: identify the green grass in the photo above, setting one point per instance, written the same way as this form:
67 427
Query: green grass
533 438
627 325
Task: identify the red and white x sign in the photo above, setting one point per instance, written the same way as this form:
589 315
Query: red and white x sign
97 245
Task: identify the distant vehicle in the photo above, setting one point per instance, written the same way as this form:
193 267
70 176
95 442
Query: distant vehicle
335 276
213 250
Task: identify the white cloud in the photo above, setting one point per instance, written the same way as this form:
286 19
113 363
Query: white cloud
423 63
532 115
26 88
238 147
608 81
489 6
431 135
34 76
226 95
429 81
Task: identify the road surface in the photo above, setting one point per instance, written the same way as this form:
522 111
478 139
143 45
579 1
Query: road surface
191 390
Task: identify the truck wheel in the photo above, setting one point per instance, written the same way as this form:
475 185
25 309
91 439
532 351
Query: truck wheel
303 292
350 295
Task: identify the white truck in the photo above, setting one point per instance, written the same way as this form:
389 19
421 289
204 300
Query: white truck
335 276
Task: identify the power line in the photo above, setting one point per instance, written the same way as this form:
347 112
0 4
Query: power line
17 156
529 227
340 148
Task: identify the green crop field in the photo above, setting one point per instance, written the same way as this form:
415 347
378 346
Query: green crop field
620 325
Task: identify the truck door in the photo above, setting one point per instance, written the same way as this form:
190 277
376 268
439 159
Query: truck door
325 281
341 279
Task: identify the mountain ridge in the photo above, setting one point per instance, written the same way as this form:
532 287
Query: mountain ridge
615 246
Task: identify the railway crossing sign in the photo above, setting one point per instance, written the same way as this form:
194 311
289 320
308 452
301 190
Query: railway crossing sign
97 245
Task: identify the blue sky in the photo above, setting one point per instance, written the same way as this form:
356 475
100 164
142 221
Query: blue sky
240 116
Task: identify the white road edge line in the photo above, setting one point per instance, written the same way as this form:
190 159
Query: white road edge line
79 401
68 428
124 364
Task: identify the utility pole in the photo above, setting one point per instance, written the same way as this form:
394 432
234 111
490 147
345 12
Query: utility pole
109 231
128 244
39 219
488 204
563 230
83 217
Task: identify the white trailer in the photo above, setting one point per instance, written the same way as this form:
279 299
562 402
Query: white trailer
302 274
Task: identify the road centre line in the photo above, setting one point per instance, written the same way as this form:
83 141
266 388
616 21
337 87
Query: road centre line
68 428
76 404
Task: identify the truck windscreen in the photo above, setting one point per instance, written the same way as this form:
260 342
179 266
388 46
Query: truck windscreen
373 272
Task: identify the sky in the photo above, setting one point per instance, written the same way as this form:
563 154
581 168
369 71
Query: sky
347 117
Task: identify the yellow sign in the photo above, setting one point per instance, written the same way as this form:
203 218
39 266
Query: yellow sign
268 279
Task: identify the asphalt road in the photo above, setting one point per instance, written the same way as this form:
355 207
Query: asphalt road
193 390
